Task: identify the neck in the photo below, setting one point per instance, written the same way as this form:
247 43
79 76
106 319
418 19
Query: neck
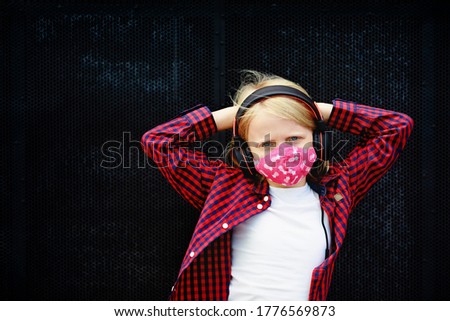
301 183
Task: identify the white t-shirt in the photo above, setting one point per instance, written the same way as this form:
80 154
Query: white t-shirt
274 252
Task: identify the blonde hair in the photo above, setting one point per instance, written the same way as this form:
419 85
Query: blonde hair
282 106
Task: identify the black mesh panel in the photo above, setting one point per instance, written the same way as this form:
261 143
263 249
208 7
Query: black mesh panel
85 216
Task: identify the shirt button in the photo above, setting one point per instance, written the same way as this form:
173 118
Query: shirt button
266 198
192 254
338 197
225 225
259 206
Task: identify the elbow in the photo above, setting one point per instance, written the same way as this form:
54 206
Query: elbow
147 141
409 124
154 145
403 125
144 141
404 129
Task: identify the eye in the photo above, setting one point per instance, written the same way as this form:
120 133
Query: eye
293 138
267 144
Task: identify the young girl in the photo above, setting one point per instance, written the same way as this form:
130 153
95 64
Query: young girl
274 214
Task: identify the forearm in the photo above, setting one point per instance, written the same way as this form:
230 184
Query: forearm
188 170
383 135
224 117
356 119
196 125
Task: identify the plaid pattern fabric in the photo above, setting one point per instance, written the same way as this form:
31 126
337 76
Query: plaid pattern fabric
226 198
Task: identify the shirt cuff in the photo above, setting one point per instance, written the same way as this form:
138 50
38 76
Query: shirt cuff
201 120
342 115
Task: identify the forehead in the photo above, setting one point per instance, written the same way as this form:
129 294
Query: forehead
265 123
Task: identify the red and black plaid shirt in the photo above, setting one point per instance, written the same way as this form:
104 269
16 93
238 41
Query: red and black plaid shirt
226 199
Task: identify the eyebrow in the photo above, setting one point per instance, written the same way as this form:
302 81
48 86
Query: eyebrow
302 135
257 144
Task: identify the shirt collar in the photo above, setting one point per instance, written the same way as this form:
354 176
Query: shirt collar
262 187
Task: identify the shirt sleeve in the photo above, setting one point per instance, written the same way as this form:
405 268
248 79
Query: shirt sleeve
383 136
175 149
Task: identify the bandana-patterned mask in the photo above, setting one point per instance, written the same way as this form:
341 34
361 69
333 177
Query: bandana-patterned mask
286 164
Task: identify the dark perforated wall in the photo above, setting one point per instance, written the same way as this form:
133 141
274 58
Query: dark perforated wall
85 216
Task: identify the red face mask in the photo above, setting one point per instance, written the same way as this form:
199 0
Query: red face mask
286 164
